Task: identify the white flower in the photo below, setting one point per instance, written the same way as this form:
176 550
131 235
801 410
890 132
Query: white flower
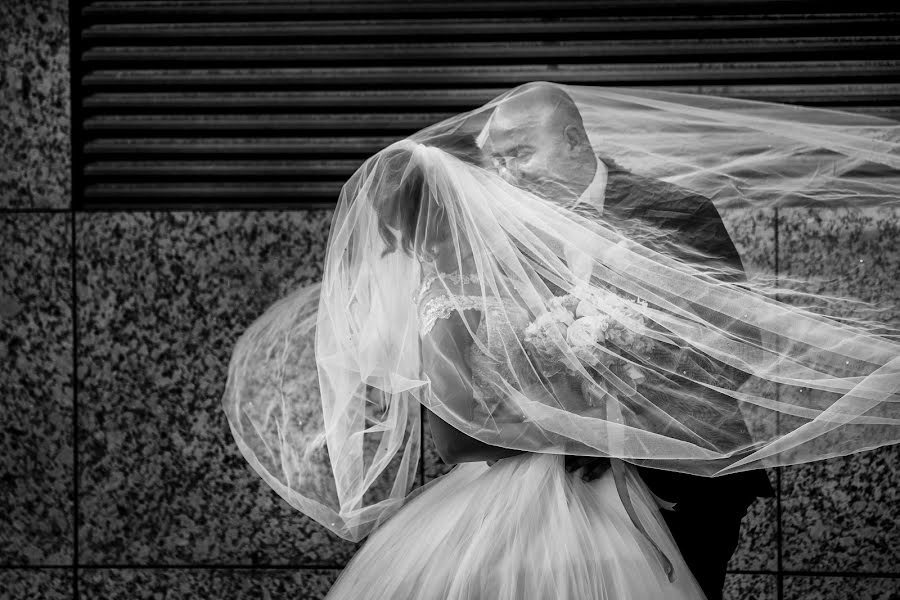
586 309
586 331
636 374
562 314
622 336
586 355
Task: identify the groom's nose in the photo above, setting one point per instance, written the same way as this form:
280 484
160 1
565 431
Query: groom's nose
511 170
508 176
507 168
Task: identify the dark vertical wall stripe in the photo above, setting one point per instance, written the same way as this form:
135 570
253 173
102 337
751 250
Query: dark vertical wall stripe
269 102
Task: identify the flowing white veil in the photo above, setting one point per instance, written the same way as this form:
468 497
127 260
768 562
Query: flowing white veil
631 333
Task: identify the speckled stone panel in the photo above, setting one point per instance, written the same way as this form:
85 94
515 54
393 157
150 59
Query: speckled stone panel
750 587
841 588
34 104
190 584
163 297
36 584
757 548
753 233
842 514
36 419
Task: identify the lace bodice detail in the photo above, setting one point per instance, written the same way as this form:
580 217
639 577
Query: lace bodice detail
440 304
493 331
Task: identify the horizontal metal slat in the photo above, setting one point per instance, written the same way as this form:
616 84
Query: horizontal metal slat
233 168
215 190
257 145
875 46
509 74
829 93
315 99
266 123
417 29
177 10
370 99
887 112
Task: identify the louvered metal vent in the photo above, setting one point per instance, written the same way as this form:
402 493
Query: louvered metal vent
250 103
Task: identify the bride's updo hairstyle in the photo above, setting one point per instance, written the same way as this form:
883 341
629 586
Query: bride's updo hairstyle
410 215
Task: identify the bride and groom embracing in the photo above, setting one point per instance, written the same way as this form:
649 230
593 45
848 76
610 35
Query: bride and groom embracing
579 334
498 528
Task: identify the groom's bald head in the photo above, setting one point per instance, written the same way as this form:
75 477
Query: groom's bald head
535 104
537 140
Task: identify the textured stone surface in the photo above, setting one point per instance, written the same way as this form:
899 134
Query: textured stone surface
36 426
34 584
842 514
841 588
753 234
34 105
187 584
162 299
757 548
750 587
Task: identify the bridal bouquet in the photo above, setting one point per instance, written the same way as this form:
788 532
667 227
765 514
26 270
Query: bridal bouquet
596 327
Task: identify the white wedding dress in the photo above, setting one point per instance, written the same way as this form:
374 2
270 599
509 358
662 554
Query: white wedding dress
521 529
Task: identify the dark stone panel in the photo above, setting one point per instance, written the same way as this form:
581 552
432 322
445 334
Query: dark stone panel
36 458
750 587
841 514
188 584
34 105
36 584
841 588
163 298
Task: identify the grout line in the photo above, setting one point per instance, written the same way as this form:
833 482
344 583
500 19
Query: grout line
75 186
808 573
35 211
306 566
75 457
26 567
212 567
779 532
166 207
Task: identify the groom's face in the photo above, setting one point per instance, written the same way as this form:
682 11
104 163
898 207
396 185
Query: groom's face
531 151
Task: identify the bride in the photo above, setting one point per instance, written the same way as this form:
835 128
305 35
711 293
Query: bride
472 280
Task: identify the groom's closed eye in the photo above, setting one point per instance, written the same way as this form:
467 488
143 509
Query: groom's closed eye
510 158
524 153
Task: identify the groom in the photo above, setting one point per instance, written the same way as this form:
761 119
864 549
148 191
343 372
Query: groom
537 141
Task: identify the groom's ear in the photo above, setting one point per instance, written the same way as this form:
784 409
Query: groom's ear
573 136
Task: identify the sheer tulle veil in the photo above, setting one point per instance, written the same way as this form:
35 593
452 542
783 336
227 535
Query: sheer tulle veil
614 335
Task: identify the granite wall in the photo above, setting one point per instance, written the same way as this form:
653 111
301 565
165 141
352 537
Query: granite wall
115 334
165 501
34 104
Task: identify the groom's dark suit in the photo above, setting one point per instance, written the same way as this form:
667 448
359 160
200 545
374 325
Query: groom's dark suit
706 520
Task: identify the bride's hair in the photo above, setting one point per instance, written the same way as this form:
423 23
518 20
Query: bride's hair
405 200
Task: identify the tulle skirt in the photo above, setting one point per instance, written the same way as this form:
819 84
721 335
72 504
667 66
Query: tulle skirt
521 529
